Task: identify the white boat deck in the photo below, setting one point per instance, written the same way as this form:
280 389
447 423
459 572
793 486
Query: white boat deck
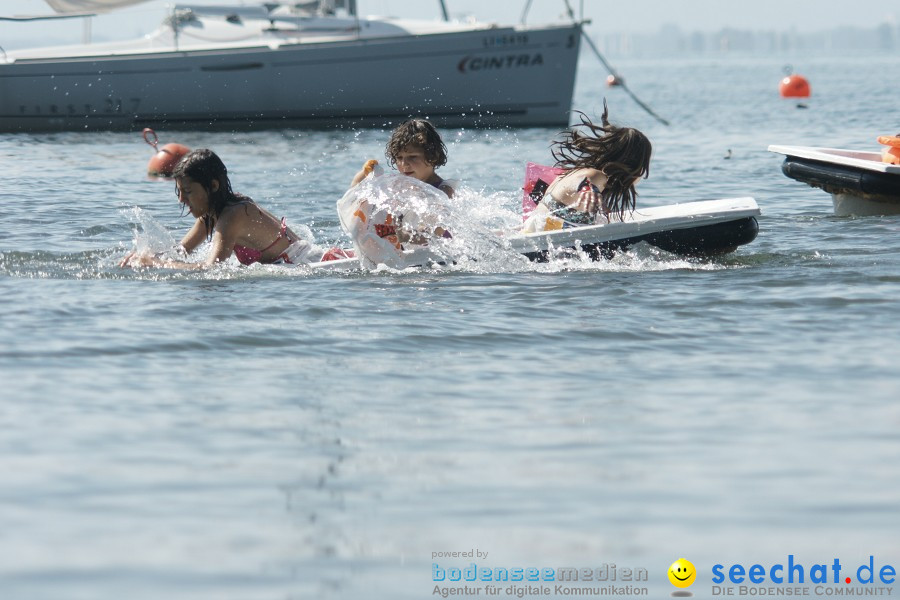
211 34
870 161
869 190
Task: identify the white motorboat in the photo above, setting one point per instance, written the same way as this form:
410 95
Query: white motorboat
282 65
859 182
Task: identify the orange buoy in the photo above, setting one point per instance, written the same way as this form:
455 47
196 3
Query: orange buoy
163 162
794 86
613 81
891 154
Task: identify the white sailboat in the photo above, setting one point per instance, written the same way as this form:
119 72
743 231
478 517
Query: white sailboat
310 64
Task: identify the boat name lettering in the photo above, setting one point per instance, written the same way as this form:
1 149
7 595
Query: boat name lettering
510 61
494 41
109 106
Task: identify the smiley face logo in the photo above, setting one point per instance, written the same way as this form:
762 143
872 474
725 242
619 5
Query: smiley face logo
682 573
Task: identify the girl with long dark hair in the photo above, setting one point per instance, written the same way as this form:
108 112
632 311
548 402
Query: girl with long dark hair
601 165
231 222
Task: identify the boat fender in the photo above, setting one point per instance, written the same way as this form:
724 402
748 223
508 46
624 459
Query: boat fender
794 86
163 162
891 154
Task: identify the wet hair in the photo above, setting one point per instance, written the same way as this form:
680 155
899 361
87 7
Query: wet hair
421 133
204 166
620 153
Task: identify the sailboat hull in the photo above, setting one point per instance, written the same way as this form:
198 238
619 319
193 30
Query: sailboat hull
478 78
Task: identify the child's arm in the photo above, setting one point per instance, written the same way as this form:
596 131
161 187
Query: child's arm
229 228
367 168
135 261
194 237
587 198
447 189
220 250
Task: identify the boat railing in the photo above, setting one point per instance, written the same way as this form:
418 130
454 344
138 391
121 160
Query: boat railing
87 16
286 20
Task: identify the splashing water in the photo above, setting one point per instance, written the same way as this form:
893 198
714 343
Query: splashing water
432 228
479 223
150 236
478 227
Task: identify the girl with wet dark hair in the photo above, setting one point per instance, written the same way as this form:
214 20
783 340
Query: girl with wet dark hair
231 222
602 165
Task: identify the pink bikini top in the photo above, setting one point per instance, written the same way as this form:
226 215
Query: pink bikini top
248 256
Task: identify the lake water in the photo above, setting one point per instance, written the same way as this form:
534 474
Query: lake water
271 433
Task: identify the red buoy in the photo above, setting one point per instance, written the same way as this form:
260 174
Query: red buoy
794 86
163 162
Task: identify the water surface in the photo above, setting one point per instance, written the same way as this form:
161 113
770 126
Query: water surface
267 432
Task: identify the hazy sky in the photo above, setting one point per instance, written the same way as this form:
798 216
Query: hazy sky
607 15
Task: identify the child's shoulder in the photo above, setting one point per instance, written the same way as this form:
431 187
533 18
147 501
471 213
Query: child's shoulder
449 186
450 183
237 208
596 176
583 172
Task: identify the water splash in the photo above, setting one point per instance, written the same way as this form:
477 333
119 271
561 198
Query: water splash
480 226
479 223
150 236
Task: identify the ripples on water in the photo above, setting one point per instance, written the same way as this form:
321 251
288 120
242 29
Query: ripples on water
269 432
